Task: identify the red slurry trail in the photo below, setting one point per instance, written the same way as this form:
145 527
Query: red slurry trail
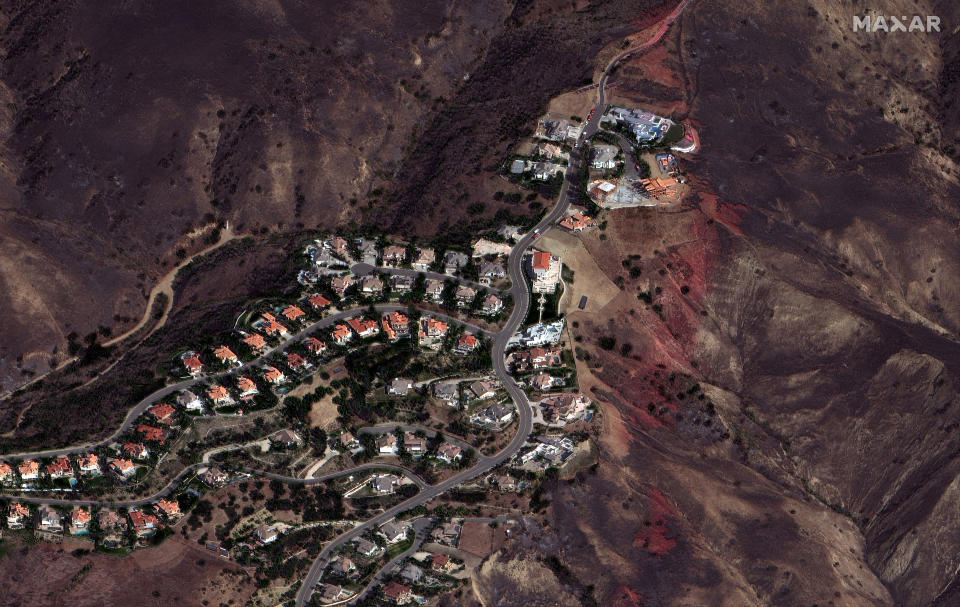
653 536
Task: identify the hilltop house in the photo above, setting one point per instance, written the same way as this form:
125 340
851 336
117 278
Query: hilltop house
424 259
314 346
433 289
255 342
274 375
189 401
454 261
448 453
29 470
192 364
387 444
135 450
603 156
492 305
341 334
247 387
89 464
163 413
394 255
318 301
225 355
467 343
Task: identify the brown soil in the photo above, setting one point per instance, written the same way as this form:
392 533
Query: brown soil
177 572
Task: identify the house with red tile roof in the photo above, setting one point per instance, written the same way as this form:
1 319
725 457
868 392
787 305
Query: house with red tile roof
79 519
398 593
16 514
318 301
219 395
432 327
192 364
314 345
123 468
162 412
295 361
577 222
136 450
152 433
274 375
270 325
292 313
89 464
364 327
169 508
341 334
395 325
143 523
6 472
225 355
29 470
60 468
388 330
247 387
441 562
467 343
256 342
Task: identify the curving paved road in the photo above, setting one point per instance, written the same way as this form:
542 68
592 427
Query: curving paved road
162 393
291 480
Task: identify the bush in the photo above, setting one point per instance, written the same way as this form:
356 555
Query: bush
607 342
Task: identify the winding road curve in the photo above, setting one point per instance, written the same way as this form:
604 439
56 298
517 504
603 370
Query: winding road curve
485 463
166 391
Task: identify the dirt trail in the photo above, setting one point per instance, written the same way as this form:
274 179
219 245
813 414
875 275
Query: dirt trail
165 286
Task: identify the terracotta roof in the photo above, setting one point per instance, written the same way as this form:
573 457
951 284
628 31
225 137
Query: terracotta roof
255 341
192 362
5 469
152 433
292 312
272 374
18 509
169 507
134 449
362 325
141 519
295 360
29 467
224 353
59 465
216 392
80 515
439 560
314 345
340 331
385 325
467 340
246 384
397 318
318 301
541 260
121 464
89 460
161 411
395 590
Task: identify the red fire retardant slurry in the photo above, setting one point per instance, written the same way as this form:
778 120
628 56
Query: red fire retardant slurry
654 535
